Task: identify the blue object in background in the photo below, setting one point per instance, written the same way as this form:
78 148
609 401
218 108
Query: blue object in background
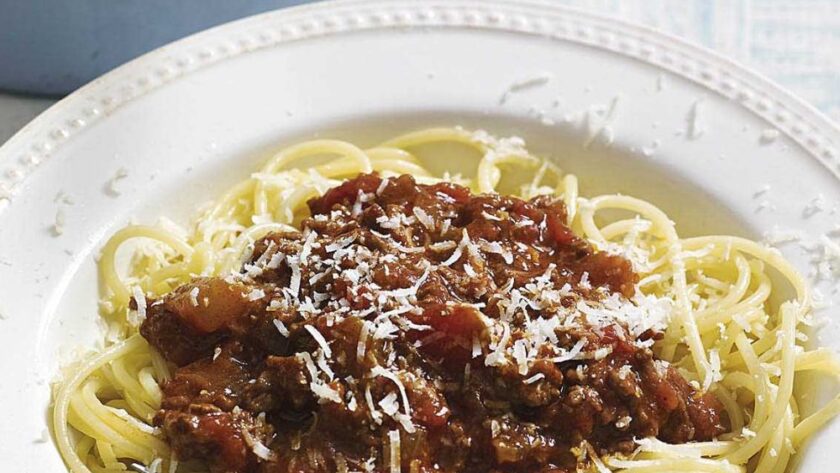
54 46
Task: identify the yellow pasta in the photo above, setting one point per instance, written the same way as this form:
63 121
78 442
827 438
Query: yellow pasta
724 336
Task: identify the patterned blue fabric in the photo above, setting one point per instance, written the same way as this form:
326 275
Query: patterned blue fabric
794 42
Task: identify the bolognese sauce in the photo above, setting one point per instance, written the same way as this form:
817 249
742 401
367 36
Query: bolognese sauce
419 328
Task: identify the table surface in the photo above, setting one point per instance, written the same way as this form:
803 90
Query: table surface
794 42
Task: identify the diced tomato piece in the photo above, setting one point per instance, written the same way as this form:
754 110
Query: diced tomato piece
559 233
452 334
345 194
221 430
428 404
457 193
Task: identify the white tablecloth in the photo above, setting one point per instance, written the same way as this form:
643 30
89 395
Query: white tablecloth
794 42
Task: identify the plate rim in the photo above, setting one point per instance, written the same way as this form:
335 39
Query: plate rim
56 129
41 138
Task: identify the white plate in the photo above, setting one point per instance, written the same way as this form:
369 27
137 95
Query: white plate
193 117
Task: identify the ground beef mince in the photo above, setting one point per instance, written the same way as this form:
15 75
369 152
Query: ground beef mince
422 328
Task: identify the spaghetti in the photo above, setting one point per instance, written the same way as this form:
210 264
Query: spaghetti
723 335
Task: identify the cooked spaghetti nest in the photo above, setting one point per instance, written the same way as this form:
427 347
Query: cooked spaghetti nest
725 335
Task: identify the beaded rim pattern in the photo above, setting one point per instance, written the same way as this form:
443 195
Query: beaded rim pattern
36 142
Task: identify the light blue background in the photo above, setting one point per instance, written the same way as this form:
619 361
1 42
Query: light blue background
794 42
54 46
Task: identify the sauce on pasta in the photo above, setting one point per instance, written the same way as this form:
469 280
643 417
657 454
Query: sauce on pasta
675 353
477 328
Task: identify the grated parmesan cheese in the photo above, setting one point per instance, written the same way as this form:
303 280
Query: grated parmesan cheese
713 375
816 205
322 342
424 218
534 379
389 404
443 246
520 354
696 125
768 136
294 282
456 255
194 296
325 392
58 223
281 327
325 367
380 371
351 404
362 344
374 413
137 317
111 185
476 348
596 460
394 456
598 120
496 248
572 354
497 357
255 295
524 84
259 448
